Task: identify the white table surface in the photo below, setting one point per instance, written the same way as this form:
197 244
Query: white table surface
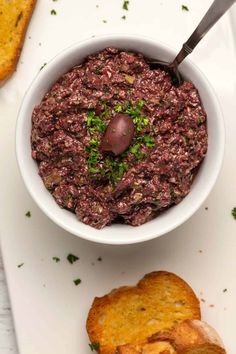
7 335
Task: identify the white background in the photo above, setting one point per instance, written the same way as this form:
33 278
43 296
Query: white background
50 312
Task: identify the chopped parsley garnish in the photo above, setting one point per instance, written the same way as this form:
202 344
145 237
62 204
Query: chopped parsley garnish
149 141
95 123
224 291
125 5
118 108
134 149
77 281
56 259
110 167
139 119
123 17
72 258
233 212
114 170
53 12
42 66
104 21
185 8
94 346
20 265
92 160
28 214
98 69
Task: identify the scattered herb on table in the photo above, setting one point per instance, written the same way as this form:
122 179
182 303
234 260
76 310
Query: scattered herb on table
233 212
28 214
125 5
56 259
185 8
42 66
53 12
123 17
104 21
72 258
20 265
94 346
225 290
77 281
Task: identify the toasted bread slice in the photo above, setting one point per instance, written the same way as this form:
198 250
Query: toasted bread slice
149 348
132 314
14 19
187 337
167 348
189 333
204 349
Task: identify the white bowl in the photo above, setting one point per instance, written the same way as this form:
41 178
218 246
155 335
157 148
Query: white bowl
117 233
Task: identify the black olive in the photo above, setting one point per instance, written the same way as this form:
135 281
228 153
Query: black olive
119 134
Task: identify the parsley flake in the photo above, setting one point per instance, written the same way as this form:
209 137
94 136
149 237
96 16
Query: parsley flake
139 119
98 69
72 258
125 5
225 290
20 265
28 214
53 12
118 108
77 281
149 141
104 21
42 66
123 17
185 8
94 346
233 212
56 259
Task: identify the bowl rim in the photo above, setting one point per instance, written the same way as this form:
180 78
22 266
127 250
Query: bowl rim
96 235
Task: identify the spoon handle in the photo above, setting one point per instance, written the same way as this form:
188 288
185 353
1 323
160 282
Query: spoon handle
217 9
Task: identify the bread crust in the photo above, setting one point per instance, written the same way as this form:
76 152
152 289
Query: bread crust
131 314
13 33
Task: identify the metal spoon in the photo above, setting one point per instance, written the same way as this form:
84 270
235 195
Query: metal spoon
217 9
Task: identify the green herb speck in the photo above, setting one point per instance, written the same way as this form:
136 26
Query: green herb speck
233 212
224 291
53 12
56 259
77 281
42 66
72 258
125 5
98 69
185 8
104 21
94 346
28 214
123 17
20 265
